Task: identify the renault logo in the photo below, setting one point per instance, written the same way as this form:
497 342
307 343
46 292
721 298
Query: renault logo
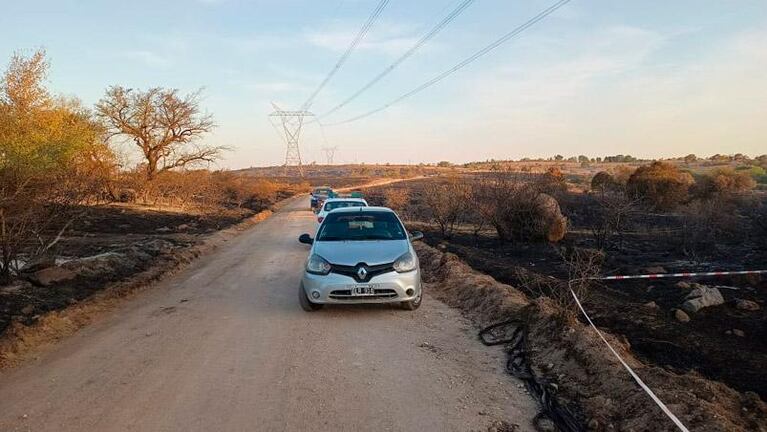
362 273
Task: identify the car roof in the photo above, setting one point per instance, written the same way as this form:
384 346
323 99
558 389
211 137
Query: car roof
365 209
345 199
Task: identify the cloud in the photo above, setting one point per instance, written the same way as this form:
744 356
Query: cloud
276 87
386 38
149 58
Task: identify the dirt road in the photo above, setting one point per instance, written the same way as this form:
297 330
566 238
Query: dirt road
224 346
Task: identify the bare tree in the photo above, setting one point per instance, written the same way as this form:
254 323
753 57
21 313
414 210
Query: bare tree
613 215
165 126
447 202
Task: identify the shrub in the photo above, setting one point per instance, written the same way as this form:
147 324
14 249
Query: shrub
397 199
660 184
723 182
51 161
622 174
446 203
552 182
611 216
603 181
757 215
707 224
518 210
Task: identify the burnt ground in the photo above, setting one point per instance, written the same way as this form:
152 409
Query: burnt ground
117 241
707 343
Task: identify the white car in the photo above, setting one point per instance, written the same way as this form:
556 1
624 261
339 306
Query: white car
336 203
361 255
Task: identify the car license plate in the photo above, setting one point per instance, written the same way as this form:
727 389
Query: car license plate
363 289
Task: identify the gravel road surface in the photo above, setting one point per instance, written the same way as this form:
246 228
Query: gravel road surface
224 346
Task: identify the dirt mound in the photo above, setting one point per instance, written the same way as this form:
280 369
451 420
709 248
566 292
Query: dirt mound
574 358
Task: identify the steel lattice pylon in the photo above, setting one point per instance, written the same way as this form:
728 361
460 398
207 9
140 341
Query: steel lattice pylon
292 123
330 153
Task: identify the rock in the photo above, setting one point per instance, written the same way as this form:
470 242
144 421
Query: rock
28 309
738 332
51 275
99 265
702 297
123 226
154 247
747 305
544 424
163 229
683 285
183 227
17 287
38 262
681 316
650 305
655 269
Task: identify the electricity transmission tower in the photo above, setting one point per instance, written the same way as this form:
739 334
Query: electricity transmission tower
292 123
330 152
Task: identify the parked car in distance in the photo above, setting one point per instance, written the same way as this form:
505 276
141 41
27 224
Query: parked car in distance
319 195
337 203
361 255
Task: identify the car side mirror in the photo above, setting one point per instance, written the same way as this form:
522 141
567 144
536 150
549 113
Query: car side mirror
416 235
305 239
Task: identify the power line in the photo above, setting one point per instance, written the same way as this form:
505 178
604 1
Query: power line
421 42
357 39
529 23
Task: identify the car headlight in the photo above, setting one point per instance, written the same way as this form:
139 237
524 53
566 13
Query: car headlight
405 263
317 265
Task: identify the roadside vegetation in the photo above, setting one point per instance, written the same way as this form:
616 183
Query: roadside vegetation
545 227
90 196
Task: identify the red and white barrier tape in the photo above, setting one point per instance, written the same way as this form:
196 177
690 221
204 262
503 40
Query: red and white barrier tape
638 380
680 275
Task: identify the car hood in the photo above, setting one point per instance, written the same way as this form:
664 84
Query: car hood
371 252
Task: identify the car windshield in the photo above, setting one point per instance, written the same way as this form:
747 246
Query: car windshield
370 225
322 191
332 205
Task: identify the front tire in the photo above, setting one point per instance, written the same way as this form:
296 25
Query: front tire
414 304
306 304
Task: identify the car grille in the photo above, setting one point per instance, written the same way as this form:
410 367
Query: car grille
372 271
347 295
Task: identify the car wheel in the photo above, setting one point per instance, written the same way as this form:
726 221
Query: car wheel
306 304
413 304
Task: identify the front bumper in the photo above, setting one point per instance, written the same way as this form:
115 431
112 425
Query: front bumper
390 287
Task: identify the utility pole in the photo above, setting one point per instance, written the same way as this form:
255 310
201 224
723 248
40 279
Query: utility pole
292 123
330 153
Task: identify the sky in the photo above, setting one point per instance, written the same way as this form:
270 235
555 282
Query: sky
648 78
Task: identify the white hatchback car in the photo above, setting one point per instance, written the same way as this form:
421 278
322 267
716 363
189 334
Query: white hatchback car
361 255
336 203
